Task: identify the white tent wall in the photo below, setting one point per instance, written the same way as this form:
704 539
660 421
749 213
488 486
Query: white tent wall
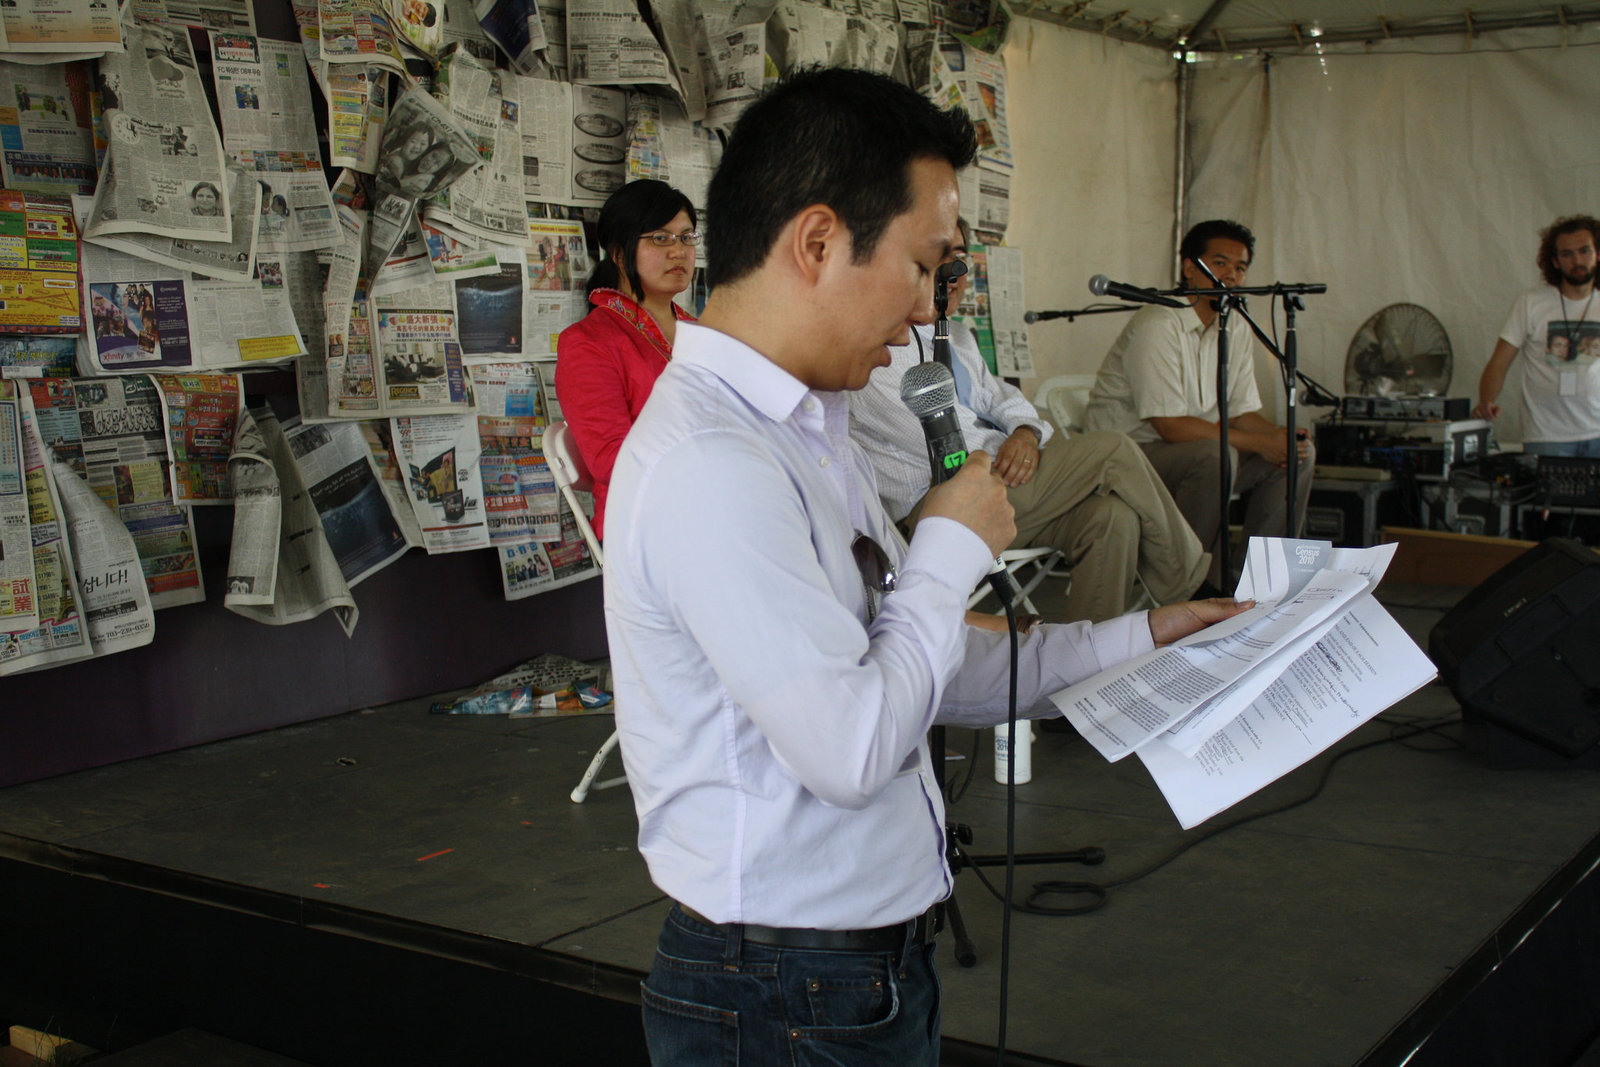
1420 176
1092 123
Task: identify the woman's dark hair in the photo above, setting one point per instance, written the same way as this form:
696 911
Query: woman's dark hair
1560 228
835 136
633 211
205 185
1201 234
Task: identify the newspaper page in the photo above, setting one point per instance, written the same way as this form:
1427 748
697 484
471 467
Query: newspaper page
534 567
420 23
52 26
358 31
516 27
149 317
358 108
545 114
38 356
118 607
420 370
599 163
46 128
408 265
252 577
424 150
268 128
202 416
1007 305
60 635
609 43
111 429
439 455
666 146
520 496
485 202
346 488
803 33
461 27
163 176
233 259
38 264
450 258
19 590
376 434
976 80
308 580
558 270
553 61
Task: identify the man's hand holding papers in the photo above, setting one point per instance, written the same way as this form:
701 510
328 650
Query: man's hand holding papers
1229 708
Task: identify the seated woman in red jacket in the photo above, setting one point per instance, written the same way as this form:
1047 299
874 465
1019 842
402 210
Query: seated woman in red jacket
608 361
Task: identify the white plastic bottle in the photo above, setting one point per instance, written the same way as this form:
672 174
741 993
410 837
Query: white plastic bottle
1024 749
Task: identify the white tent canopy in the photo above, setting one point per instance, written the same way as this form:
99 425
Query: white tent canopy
1401 171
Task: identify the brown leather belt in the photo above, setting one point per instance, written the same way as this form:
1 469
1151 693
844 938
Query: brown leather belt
878 939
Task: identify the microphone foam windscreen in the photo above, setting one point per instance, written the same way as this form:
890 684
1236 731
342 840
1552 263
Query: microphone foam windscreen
928 388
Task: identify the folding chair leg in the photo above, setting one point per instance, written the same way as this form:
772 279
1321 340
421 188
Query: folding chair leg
587 782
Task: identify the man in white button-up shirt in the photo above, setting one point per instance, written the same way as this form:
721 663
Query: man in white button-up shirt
772 710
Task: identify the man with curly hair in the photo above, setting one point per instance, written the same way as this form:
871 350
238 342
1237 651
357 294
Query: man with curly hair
1555 327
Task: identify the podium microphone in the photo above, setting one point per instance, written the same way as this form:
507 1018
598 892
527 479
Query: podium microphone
929 390
1100 285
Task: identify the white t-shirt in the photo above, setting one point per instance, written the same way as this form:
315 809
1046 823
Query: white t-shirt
1560 350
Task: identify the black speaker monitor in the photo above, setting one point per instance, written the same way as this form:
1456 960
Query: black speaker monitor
1523 649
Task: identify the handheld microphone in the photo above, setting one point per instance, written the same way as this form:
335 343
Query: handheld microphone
929 390
1100 285
1044 316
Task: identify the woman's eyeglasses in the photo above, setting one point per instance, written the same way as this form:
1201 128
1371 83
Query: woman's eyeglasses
877 572
663 239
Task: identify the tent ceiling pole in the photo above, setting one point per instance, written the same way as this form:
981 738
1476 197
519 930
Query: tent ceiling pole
1180 196
1198 31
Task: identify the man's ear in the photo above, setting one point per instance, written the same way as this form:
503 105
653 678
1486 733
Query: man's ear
817 236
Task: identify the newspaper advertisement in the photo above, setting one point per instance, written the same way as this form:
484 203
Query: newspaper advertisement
420 371
76 26
268 128
358 108
489 309
305 576
358 31
164 165
60 635
516 27
545 114
235 15
450 258
485 202
38 264
118 608
346 488
439 457
599 162
536 567
558 270
202 417
420 23
111 430
520 496
233 259
19 590
38 356
609 43
149 317
46 128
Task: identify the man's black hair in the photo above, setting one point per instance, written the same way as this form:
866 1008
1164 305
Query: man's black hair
1201 234
634 210
834 136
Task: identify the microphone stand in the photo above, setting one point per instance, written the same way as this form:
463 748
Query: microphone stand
959 834
1224 303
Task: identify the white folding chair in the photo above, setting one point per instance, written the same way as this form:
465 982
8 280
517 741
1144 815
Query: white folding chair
1044 562
1064 397
571 476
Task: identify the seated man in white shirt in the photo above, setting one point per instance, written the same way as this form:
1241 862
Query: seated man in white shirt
1158 385
773 694
1092 496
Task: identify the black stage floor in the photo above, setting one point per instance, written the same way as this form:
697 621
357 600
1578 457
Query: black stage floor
318 889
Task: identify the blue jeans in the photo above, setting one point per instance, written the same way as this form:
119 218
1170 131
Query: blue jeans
714 998
1591 447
